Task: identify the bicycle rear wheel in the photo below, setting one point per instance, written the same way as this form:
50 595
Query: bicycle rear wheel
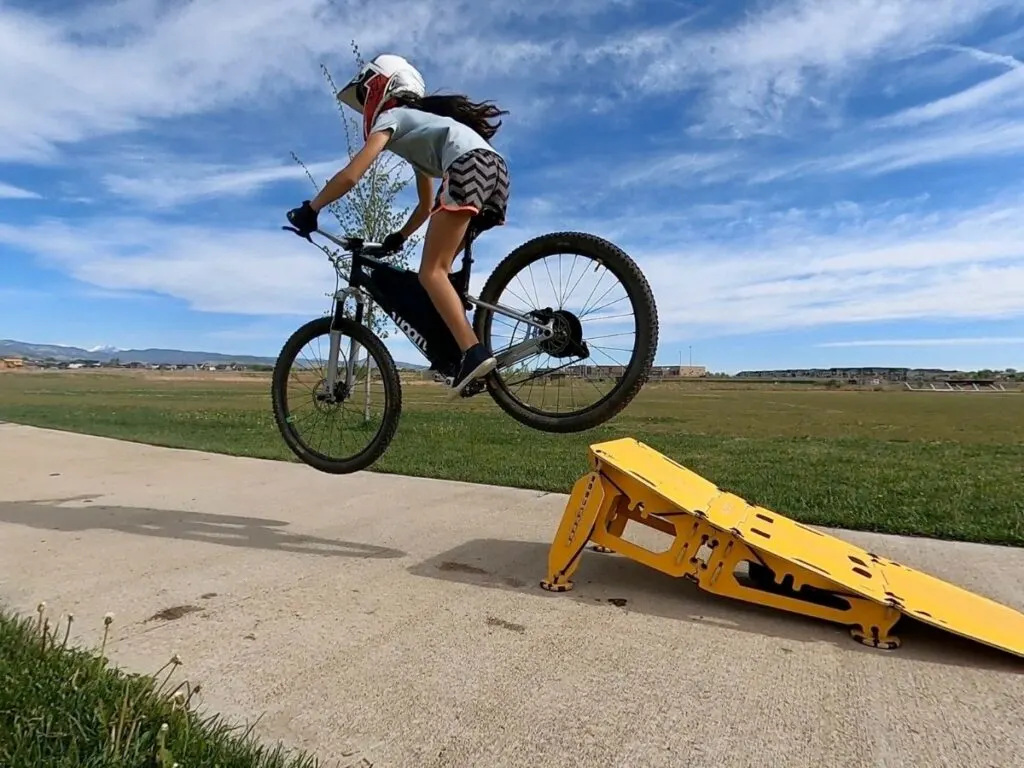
574 365
372 405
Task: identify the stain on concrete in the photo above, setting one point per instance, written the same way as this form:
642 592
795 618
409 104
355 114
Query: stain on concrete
450 565
207 595
173 613
493 621
618 601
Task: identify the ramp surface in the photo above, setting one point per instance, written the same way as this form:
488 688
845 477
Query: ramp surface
374 619
843 568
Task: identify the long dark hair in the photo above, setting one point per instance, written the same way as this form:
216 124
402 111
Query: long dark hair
474 114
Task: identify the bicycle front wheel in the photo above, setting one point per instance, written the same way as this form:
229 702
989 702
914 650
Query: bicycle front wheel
364 411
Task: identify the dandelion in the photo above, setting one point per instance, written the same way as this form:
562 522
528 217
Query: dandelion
178 699
67 632
107 620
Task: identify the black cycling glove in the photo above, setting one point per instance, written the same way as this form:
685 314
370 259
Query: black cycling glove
393 243
303 218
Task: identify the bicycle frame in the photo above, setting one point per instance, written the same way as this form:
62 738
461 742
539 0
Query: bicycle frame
360 286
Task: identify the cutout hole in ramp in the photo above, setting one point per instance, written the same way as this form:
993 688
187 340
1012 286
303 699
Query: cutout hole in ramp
761 516
645 537
754 575
760 533
703 554
862 572
858 561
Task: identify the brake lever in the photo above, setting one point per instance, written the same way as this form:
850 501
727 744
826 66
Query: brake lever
293 229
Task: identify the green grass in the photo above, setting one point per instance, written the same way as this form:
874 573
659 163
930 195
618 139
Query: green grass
941 465
66 707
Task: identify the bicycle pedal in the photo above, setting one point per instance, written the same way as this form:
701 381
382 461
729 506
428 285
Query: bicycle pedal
473 388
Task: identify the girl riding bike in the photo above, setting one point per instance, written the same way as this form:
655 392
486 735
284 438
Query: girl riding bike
442 137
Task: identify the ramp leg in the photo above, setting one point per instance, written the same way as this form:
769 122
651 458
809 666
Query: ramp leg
586 505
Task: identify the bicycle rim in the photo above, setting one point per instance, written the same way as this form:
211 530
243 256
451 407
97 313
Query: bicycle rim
598 296
349 431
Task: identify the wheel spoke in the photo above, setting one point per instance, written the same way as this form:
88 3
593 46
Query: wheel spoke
347 429
593 387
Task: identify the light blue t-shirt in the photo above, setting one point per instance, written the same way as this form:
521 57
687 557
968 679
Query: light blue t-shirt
428 142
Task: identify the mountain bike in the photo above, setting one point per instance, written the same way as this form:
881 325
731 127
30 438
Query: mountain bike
548 330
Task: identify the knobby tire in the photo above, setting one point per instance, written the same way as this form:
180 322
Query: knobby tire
385 367
625 269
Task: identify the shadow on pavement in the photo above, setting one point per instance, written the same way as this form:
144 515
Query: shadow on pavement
618 583
226 530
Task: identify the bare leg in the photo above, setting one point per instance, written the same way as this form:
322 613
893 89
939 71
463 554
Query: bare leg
445 238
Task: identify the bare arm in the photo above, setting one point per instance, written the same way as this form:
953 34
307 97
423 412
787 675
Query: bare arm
344 180
425 190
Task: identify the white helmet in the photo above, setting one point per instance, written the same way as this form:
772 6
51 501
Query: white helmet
377 81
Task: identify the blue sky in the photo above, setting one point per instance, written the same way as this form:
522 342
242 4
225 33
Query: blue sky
805 182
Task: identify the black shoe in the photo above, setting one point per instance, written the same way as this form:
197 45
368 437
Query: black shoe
476 362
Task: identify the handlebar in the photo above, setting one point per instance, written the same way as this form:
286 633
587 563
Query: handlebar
348 243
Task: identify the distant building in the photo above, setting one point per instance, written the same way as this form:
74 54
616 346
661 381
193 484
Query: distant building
853 374
690 371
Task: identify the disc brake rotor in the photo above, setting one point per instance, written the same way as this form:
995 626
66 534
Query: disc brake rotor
566 339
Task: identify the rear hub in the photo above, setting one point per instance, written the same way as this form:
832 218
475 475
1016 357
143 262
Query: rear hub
566 339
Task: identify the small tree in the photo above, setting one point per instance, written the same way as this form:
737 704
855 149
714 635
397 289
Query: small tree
369 211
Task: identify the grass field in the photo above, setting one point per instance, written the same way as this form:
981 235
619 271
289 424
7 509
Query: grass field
65 706
942 465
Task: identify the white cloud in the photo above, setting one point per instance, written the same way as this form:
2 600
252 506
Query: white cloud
65 82
11 192
1004 91
975 140
677 168
953 341
793 269
792 54
247 271
171 184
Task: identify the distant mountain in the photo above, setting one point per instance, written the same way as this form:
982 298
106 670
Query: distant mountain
10 348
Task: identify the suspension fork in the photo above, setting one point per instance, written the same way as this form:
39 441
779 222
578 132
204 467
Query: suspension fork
335 344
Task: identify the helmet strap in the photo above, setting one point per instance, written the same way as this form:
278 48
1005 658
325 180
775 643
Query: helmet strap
376 88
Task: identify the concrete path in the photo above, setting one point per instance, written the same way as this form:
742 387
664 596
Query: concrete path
392 621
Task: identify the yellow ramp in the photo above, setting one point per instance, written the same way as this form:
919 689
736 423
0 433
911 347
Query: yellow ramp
740 550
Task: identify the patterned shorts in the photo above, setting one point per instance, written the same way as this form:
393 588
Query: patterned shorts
478 182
